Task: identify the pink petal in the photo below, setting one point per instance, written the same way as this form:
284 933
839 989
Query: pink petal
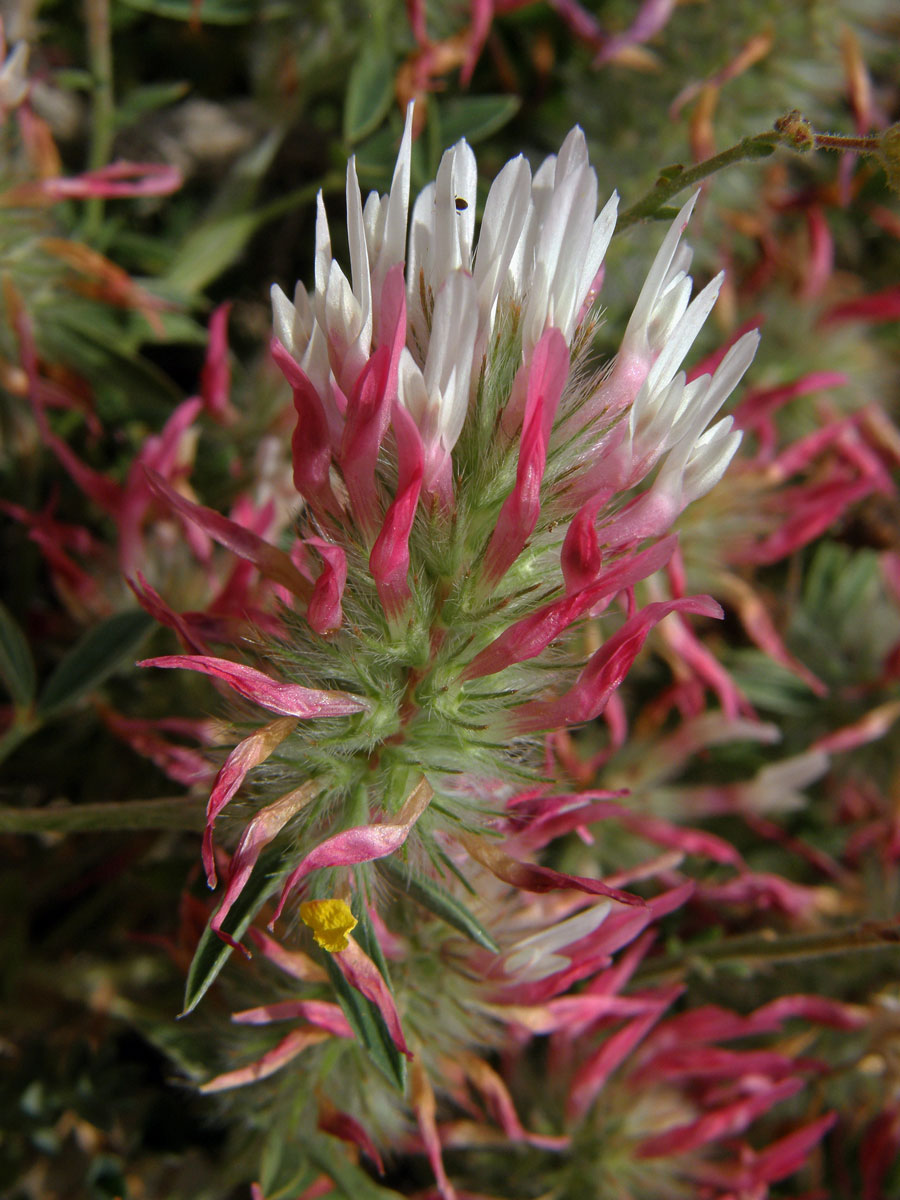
348 1129
311 443
293 962
532 878
547 374
151 601
532 635
790 1153
246 755
362 974
368 414
116 180
592 1075
580 557
389 560
495 1091
273 563
363 843
605 670
273 1060
259 832
215 378
324 611
321 1013
720 1123
425 1108
288 699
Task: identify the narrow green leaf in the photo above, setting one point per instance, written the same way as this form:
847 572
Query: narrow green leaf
152 96
368 1025
212 12
93 659
350 1180
437 900
370 90
209 250
16 664
476 117
212 953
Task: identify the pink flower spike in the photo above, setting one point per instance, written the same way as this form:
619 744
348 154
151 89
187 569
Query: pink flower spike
271 562
258 833
215 378
324 609
363 843
547 375
246 755
286 1050
389 560
287 699
321 1013
362 974
311 442
606 669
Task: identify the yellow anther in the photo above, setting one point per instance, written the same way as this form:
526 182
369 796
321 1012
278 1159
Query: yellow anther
331 921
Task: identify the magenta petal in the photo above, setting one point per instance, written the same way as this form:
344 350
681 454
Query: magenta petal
321 1013
288 699
532 635
389 560
215 378
580 557
606 669
348 1129
259 832
368 414
271 562
246 755
324 611
288 1048
547 374
720 1123
362 974
363 843
311 443
593 1074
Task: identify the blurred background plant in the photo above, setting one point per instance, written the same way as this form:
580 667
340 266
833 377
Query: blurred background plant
160 164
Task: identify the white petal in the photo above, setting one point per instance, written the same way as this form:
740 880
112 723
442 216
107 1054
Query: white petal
454 212
323 247
359 258
682 336
601 235
448 369
657 275
505 215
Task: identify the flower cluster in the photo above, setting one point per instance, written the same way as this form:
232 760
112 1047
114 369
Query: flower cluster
474 487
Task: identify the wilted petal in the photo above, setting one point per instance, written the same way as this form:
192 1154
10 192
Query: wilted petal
360 844
258 833
246 755
362 974
286 1050
320 1013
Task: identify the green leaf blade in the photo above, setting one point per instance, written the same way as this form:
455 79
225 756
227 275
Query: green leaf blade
93 659
440 902
16 664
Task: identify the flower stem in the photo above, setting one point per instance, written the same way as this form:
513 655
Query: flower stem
103 107
675 179
762 949
166 812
